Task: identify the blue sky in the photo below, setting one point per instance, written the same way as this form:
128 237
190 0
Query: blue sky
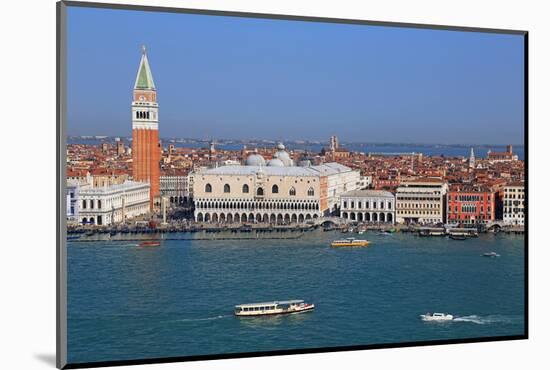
227 77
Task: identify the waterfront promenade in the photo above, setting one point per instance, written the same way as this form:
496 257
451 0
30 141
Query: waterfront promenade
344 226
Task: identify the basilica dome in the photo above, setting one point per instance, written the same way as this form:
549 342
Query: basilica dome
275 162
283 155
255 159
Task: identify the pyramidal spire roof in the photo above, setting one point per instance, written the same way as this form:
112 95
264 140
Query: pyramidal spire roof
144 79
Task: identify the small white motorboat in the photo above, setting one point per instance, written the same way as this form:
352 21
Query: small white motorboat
436 316
491 254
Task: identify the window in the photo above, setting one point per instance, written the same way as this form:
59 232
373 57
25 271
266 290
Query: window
245 188
208 188
84 204
275 189
292 191
226 188
310 192
260 192
98 205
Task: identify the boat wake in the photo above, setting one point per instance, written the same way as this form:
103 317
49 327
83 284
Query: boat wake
484 320
202 319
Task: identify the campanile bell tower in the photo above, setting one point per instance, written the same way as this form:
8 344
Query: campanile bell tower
145 139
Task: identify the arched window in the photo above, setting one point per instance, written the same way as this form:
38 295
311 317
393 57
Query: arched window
226 188
137 114
310 192
84 204
98 205
275 189
245 188
260 192
208 188
147 115
292 191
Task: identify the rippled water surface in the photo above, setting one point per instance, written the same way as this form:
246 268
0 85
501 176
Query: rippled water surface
127 302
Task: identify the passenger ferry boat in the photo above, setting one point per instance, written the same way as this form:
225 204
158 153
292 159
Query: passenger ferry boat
273 308
350 242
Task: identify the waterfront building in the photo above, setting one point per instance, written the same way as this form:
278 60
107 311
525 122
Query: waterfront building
174 185
72 196
339 179
275 191
368 206
514 203
112 204
421 201
145 139
467 204
507 156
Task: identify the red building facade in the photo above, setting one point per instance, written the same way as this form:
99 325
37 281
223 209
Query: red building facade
470 205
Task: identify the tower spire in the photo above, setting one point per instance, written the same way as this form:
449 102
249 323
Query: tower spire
144 78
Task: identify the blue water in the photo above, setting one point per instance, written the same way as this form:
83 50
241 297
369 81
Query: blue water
127 302
480 151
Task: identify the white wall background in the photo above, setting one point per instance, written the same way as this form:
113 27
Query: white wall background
27 75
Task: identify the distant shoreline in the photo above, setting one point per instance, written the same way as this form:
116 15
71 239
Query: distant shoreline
172 140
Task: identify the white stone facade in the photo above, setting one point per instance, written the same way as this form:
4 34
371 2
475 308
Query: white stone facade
421 201
340 179
368 206
514 204
113 204
255 194
175 188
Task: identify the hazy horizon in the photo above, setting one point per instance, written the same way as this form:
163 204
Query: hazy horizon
326 141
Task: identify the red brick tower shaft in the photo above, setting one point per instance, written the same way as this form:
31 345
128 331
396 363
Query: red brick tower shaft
145 137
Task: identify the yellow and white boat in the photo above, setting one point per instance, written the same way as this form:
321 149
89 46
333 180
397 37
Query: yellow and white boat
350 242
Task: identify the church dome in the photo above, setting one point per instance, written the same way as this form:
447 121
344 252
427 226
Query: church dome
283 156
275 162
255 159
